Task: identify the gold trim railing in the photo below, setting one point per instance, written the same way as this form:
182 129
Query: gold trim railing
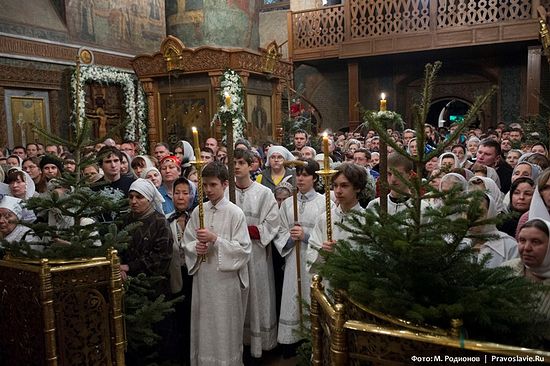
352 341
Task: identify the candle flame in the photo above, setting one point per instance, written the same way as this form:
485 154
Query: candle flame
383 96
194 129
325 134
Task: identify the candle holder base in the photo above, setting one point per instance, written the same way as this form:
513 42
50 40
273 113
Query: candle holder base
326 172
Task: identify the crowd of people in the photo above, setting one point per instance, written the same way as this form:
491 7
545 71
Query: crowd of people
238 269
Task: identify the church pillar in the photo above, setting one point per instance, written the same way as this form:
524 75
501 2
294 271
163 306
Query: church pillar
222 23
215 87
151 91
534 57
353 95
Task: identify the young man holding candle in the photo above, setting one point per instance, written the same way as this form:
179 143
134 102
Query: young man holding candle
311 205
347 183
220 282
262 217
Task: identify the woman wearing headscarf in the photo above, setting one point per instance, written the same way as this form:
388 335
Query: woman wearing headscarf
540 203
453 181
140 163
150 248
10 228
489 186
152 174
499 247
22 187
170 170
180 281
534 257
448 161
14 161
150 251
275 171
522 170
183 196
186 156
521 194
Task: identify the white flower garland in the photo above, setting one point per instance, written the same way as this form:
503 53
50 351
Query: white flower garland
232 104
134 102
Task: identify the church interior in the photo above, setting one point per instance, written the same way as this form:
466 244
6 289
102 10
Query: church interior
154 67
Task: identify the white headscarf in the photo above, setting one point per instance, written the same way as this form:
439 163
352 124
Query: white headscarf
13 204
494 192
458 180
456 163
538 209
535 169
31 188
287 155
147 160
147 170
544 269
188 153
148 190
18 159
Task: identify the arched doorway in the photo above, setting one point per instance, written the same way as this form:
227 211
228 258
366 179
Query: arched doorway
445 111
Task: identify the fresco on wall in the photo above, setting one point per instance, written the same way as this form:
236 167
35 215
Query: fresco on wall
232 23
134 25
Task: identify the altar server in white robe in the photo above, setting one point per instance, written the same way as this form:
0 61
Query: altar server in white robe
262 216
348 182
311 205
220 283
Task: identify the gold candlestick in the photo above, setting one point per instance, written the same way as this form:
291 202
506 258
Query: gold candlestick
327 174
198 165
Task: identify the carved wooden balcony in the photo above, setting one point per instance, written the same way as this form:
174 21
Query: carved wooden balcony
360 28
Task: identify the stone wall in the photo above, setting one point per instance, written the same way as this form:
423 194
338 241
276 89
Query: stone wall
327 89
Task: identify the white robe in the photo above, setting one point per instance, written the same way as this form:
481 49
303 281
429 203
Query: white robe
220 285
261 210
309 212
319 235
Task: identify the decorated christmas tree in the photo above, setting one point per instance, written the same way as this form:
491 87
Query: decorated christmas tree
417 264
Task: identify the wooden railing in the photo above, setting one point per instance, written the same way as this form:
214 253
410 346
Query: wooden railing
370 27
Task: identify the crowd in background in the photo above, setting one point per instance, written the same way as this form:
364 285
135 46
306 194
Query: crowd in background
161 186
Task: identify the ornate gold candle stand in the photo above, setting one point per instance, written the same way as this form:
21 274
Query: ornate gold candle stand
61 312
346 333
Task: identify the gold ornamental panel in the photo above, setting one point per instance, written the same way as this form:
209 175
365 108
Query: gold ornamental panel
61 312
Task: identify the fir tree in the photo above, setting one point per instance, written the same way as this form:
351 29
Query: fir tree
89 221
416 264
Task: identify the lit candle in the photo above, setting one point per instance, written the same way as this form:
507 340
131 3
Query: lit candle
227 99
325 151
382 102
196 143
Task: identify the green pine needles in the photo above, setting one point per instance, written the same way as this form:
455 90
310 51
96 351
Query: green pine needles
418 264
